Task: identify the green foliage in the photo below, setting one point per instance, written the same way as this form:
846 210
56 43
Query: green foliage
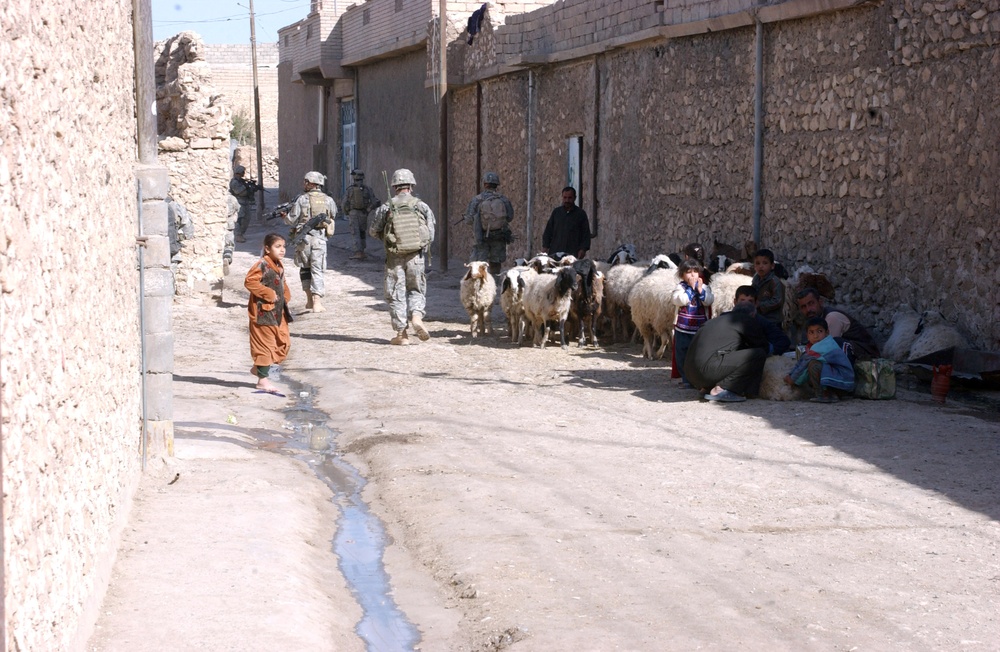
243 128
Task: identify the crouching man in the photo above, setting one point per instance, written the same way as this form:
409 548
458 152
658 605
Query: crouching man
727 355
406 226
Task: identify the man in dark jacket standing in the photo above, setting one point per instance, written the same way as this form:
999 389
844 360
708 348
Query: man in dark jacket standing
568 229
728 354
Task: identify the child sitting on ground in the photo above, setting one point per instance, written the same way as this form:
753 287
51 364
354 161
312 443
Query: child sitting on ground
770 289
692 295
823 365
268 309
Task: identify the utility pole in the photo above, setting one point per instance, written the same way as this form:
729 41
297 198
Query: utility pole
256 118
443 127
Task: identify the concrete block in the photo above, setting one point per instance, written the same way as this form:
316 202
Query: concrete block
159 397
159 314
160 352
154 217
159 283
157 251
154 181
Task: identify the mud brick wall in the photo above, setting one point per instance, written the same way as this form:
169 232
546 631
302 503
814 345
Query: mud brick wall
676 144
69 322
504 149
463 180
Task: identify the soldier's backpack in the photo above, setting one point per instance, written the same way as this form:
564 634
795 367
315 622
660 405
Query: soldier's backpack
493 214
406 230
356 198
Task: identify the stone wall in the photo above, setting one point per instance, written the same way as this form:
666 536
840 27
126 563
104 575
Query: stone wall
69 325
880 146
194 125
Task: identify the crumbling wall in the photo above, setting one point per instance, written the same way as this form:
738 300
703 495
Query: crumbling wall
69 325
194 122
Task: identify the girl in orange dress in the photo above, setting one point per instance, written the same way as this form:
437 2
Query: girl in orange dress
268 309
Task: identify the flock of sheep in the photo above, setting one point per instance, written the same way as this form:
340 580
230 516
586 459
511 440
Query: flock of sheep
629 299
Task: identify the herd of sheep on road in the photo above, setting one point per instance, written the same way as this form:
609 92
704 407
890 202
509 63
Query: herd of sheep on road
625 298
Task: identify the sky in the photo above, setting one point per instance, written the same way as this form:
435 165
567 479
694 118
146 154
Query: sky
226 21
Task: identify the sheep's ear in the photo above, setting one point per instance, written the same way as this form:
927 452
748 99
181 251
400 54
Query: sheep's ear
468 264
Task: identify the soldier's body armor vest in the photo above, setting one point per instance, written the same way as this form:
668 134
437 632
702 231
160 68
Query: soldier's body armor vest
406 230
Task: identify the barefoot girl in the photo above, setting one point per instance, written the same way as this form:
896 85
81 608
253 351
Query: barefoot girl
268 308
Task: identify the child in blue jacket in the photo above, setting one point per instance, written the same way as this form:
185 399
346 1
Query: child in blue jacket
824 365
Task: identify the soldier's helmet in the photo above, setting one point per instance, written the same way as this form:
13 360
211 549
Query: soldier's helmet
239 169
358 173
491 178
403 177
315 177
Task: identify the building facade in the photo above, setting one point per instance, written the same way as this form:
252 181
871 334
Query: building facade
854 137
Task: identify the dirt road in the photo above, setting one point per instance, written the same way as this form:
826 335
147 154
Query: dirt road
579 500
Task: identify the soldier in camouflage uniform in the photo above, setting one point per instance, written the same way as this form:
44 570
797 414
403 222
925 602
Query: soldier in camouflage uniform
179 228
229 246
243 190
358 202
490 214
404 218
310 250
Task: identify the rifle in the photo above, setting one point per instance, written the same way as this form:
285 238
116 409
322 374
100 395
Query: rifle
252 186
314 223
392 211
279 211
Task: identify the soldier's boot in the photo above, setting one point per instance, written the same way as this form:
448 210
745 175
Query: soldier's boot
358 255
240 237
317 305
309 300
401 339
418 325
495 269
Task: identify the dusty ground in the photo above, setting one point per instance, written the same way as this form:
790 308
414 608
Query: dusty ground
552 500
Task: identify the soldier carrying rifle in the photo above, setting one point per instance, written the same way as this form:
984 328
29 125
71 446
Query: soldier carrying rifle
312 220
244 191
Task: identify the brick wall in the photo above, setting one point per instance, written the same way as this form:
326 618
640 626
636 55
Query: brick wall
69 326
376 27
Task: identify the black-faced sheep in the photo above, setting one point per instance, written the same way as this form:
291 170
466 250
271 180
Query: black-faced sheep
585 309
547 299
623 255
652 311
904 331
478 291
512 286
935 333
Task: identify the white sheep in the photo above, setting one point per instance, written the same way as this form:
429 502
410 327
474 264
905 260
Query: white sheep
772 385
547 298
652 311
618 282
904 332
724 286
478 291
512 286
934 334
